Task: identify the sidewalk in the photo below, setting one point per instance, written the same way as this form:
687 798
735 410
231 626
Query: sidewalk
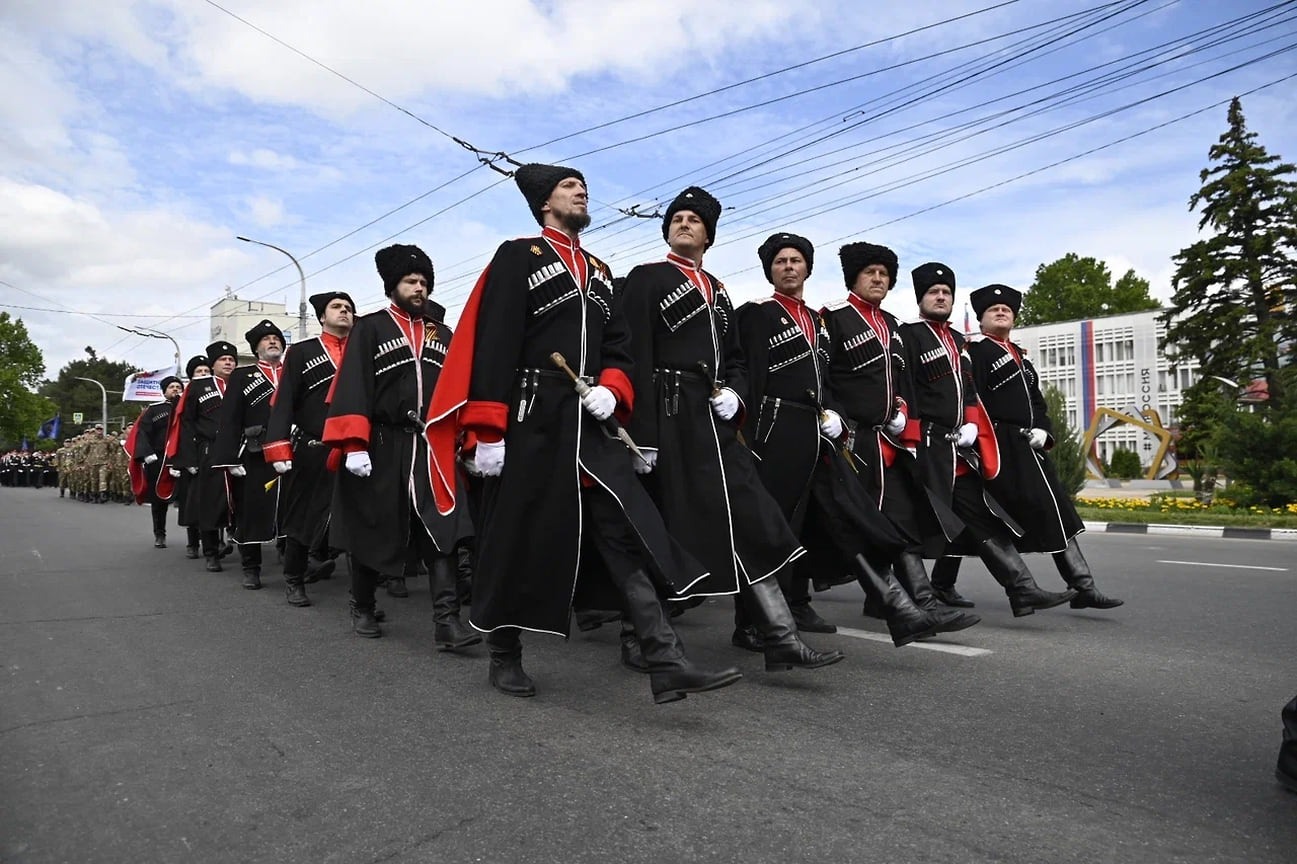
1224 531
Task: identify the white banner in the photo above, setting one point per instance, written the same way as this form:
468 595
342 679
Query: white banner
146 386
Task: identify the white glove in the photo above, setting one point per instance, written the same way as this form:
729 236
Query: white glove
192 471
174 472
896 425
282 467
647 464
358 463
237 471
488 458
150 459
725 404
1037 438
600 402
968 435
831 424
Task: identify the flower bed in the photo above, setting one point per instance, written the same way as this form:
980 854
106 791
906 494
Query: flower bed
1185 511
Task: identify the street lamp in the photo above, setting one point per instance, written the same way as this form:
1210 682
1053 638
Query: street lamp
301 306
105 402
156 334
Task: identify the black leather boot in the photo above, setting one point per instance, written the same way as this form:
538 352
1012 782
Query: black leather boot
295 590
631 655
944 573
159 541
363 622
672 675
449 633
1286 769
783 648
747 638
506 673
1075 571
191 541
913 577
250 558
396 587
808 620
906 621
1008 568
317 569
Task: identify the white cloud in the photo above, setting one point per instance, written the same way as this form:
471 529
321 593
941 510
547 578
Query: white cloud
264 211
263 158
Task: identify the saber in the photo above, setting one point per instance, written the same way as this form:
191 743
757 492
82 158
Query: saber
414 418
609 423
843 448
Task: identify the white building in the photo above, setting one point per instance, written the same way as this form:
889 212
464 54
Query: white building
1114 362
232 317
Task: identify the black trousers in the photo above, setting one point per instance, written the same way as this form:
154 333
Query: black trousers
364 580
160 516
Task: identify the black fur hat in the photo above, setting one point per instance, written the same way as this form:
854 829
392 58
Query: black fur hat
932 273
194 363
984 298
699 201
265 327
166 382
396 262
857 256
537 182
220 349
321 301
775 242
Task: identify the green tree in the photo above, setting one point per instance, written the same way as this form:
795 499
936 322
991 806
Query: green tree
1074 287
1066 454
1235 289
1125 464
1203 418
1259 451
21 365
72 395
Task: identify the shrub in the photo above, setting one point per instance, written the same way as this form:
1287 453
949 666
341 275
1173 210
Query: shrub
1125 464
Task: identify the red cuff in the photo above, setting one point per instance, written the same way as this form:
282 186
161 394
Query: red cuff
911 435
987 446
347 428
278 451
485 418
616 381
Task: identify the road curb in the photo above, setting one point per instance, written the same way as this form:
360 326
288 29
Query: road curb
1224 531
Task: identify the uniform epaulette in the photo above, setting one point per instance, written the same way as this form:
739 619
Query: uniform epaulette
833 307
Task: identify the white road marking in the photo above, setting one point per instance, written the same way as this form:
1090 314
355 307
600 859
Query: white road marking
961 650
1231 566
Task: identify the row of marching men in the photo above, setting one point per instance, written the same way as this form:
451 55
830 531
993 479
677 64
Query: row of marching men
639 445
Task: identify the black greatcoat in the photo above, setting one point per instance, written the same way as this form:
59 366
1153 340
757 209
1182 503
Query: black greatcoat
245 411
706 480
1028 484
944 397
527 305
151 440
207 499
379 383
295 432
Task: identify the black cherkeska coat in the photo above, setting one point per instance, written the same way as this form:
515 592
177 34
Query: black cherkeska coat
295 433
684 340
943 398
245 411
815 484
207 492
1028 484
380 383
500 380
148 437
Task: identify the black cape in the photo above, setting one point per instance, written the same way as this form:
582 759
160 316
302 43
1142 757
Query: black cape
207 493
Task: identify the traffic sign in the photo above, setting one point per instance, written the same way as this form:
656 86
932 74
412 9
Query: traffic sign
78 417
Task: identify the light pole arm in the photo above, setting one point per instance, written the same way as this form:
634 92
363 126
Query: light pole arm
301 304
102 390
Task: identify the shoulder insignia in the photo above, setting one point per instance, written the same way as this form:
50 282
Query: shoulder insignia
535 250
833 307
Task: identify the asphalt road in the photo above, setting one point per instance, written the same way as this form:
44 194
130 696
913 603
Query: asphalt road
150 711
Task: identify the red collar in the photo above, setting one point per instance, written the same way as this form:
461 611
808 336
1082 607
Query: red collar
695 274
682 261
1006 345
796 307
556 236
333 346
410 326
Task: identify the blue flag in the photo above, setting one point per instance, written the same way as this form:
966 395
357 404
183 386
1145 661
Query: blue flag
50 428
26 446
